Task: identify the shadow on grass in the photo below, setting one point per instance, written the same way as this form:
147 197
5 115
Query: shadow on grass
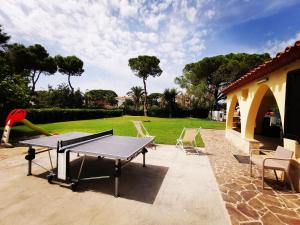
136 182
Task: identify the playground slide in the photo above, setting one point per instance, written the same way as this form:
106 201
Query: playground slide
18 115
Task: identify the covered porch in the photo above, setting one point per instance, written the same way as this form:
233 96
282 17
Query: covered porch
262 107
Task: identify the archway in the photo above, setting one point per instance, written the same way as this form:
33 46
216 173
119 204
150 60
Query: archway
233 118
264 119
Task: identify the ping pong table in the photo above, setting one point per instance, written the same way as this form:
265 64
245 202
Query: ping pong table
122 149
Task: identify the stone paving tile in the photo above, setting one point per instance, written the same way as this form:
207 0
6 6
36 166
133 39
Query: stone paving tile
246 202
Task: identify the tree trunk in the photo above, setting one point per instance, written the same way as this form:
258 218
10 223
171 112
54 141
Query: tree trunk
69 80
33 87
33 83
145 98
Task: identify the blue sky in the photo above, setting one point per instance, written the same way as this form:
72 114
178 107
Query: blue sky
106 33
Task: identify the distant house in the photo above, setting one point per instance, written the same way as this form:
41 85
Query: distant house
121 99
183 100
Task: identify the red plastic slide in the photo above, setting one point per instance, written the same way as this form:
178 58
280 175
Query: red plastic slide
18 115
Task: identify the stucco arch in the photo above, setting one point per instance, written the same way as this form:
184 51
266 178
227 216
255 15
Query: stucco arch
230 112
255 104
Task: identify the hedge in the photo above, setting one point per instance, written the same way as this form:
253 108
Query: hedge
51 115
177 113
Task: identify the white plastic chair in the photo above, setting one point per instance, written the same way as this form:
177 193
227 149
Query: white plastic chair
280 160
188 139
142 131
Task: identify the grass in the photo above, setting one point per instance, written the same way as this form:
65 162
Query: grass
166 130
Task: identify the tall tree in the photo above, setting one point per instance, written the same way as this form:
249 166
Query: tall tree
153 99
169 96
41 99
3 39
136 93
60 96
100 98
217 72
63 97
5 69
13 87
34 60
70 66
128 104
143 67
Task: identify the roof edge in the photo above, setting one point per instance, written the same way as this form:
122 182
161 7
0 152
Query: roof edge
290 54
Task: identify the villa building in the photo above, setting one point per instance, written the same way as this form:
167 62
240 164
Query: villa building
263 106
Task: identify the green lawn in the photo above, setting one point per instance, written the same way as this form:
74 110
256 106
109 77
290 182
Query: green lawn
166 130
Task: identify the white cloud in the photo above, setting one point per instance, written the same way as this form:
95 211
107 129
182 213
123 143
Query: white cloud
148 37
275 46
191 14
210 13
161 6
105 34
153 21
127 9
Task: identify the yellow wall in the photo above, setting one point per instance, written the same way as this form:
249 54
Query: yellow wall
231 103
249 97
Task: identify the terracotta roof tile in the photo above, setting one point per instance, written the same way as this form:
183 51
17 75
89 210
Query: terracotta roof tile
290 54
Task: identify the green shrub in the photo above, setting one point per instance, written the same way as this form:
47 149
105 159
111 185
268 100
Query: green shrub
3 115
177 113
51 115
133 112
199 113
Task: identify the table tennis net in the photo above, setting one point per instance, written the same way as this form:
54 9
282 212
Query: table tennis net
74 141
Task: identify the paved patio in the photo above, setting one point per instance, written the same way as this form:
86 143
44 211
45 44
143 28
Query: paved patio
174 188
246 201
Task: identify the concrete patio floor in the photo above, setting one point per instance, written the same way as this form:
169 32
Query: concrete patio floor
174 188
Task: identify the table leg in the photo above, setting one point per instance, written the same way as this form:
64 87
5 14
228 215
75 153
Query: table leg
144 156
117 176
30 156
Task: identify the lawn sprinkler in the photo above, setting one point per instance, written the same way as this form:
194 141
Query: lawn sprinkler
18 115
